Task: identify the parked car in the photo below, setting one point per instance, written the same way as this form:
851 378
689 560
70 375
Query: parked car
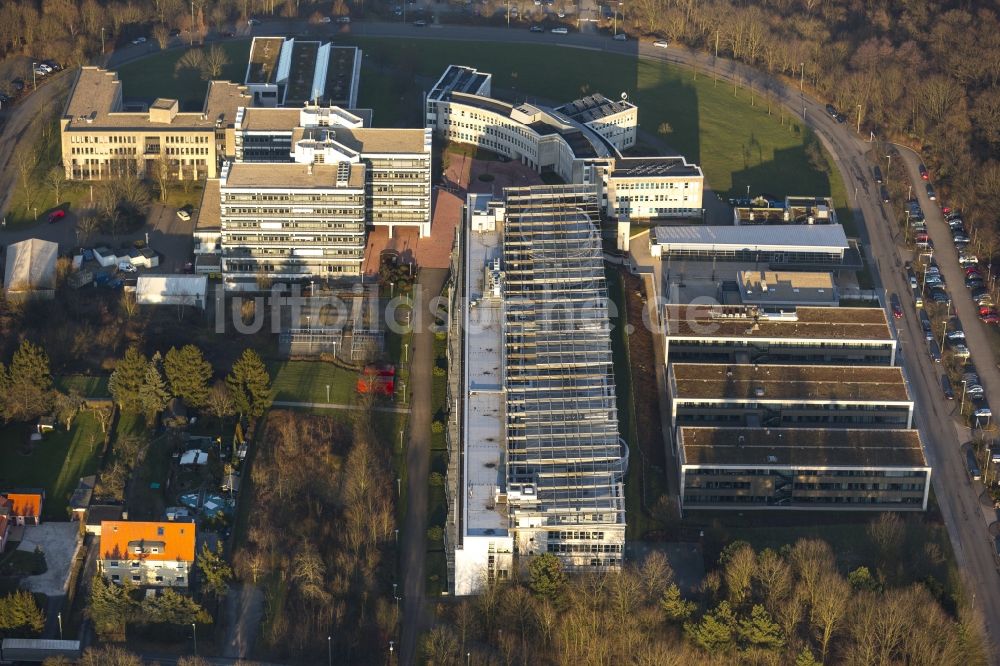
56 215
420 23
176 32
126 267
326 19
946 388
139 40
877 172
343 20
253 21
536 28
621 37
990 319
923 172
967 259
897 307
831 109
884 192
925 323
939 295
930 192
934 350
184 215
972 465
661 44
960 350
559 31
840 118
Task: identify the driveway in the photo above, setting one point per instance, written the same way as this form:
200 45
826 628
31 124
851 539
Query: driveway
59 542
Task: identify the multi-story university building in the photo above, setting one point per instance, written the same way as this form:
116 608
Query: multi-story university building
802 468
290 192
536 461
751 334
772 396
581 142
149 554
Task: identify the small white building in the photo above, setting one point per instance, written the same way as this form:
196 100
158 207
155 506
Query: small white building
172 290
31 269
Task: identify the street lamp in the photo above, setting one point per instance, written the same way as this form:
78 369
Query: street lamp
59 617
34 84
399 487
859 119
194 630
888 169
102 40
397 536
391 645
944 330
329 650
802 74
961 407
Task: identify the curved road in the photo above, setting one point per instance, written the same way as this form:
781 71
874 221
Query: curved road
964 515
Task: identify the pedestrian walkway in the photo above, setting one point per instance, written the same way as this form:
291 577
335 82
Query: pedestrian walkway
330 405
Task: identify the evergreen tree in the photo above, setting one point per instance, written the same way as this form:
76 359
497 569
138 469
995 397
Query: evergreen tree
173 608
128 378
676 607
188 373
20 616
861 579
546 576
153 394
250 385
806 658
760 631
715 632
215 571
29 384
110 608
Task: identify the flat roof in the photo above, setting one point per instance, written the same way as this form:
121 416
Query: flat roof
291 174
787 286
264 54
594 107
483 473
339 83
209 214
801 447
646 167
761 383
381 140
752 322
458 78
258 119
809 237
96 95
301 72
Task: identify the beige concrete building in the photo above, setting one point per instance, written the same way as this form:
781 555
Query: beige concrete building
102 139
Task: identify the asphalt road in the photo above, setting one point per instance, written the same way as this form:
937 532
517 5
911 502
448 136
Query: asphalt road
957 497
414 552
959 500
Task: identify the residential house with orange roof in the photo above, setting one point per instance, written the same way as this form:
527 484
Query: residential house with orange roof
23 507
152 554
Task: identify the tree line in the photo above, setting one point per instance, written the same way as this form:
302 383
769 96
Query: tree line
790 606
323 525
923 73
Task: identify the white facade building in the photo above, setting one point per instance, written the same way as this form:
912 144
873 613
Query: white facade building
581 142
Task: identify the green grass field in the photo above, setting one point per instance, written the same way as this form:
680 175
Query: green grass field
87 386
56 463
306 381
736 143
159 76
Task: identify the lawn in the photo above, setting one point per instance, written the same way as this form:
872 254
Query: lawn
88 386
56 463
736 142
158 76
306 381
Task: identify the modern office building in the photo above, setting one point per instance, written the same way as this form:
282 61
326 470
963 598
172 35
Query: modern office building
536 461
292 72
102 138
291 221
581 142
785 396
397 161
802 468
775 246
803 335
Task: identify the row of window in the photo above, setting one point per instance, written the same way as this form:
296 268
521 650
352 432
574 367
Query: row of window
583 548
135 579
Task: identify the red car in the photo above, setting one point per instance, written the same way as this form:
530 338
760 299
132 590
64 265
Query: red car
57 215
991 318
986 310
972 270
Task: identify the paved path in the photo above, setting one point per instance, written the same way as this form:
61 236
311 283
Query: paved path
244 610
429 283
328 405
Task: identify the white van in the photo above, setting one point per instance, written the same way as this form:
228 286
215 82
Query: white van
559 31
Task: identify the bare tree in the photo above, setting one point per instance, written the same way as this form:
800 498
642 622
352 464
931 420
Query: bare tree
161 35
25 162
213 62
56 179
